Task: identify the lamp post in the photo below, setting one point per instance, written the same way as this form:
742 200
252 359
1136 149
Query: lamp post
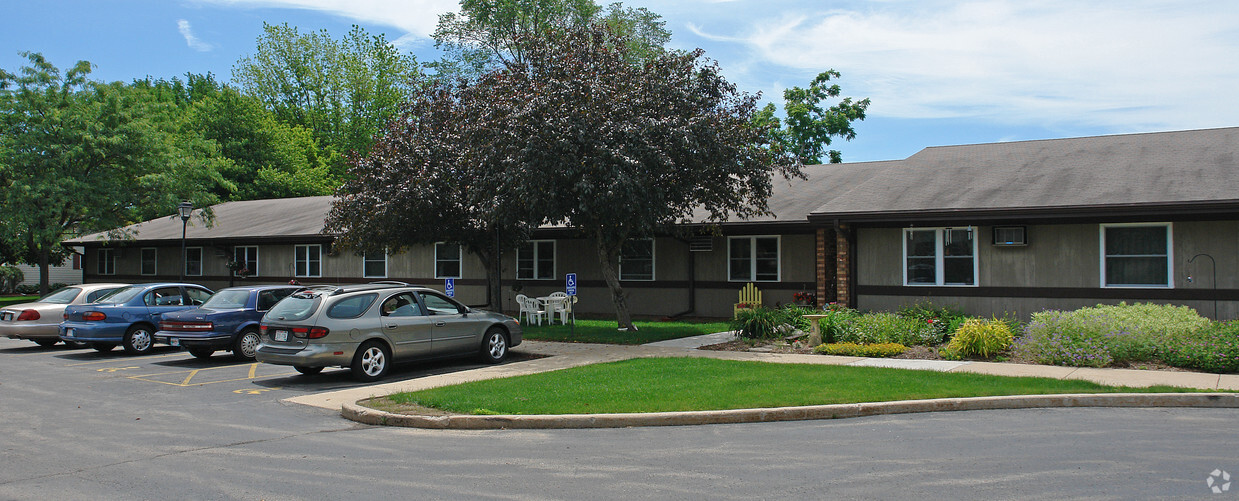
185 208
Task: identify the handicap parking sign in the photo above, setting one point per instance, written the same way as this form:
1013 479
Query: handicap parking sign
450 287
570 284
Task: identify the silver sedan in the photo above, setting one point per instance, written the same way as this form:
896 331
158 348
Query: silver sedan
40 321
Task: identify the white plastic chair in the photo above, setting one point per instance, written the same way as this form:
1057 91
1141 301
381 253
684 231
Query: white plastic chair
529 308
557 303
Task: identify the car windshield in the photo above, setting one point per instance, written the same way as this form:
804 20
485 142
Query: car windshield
298 306
228 299
62 296
121 295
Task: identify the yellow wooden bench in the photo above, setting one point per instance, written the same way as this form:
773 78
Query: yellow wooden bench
750 297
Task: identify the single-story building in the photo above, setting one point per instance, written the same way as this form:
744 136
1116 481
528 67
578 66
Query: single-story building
994 228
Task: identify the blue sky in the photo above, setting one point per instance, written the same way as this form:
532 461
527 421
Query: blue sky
938 73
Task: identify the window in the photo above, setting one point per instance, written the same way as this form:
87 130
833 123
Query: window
351 307
440 305
150 258
401 305
939 256
535 260
753 259
166 296
374 265
308 260
637 260
1136 255
107 262
268 298
447 260
246 259
193 261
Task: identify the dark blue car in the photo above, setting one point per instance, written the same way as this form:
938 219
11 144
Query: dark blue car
128 315
227 321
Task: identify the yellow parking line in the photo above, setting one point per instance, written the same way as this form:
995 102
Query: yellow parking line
253 369
183 384
189 370
190 376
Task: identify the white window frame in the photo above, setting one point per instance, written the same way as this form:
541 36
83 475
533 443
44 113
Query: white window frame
142 262
365 258
460 261
753 258
201 264
1101 242
253 272
105 261
940 258
653 262
534 245
297 260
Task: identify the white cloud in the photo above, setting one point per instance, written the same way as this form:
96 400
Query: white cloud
417 17
191 40
1132 64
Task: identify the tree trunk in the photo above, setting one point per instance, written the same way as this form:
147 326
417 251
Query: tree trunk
45 257
608 258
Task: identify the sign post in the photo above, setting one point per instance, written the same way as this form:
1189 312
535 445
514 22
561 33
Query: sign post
570 289
449 287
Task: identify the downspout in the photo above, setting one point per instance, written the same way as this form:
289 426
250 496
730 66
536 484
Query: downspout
692 283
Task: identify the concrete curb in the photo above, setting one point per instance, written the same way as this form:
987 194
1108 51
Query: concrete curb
367 415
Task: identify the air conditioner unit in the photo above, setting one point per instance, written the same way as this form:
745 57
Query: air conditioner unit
1010 236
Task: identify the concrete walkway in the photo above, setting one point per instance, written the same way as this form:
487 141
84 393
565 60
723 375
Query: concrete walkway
555 356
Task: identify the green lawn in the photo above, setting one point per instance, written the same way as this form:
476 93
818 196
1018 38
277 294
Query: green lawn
604 331
7 300
692 384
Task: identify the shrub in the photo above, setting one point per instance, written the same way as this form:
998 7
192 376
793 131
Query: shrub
945 319
874 328
881 350
26 290
10 277
1212 349
756 323
836 321
1106 334
979 338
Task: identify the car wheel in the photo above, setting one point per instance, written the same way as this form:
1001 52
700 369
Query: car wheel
46 343
371 362
103 347
245 345
308 371
201 352
494 346
138 340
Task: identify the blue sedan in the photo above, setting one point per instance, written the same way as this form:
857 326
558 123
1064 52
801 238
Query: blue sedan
128 315
227 321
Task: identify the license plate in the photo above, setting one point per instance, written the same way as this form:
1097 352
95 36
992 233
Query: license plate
281 335
174 341
6 316
68 332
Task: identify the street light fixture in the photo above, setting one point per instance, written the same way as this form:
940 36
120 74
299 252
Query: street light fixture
185 208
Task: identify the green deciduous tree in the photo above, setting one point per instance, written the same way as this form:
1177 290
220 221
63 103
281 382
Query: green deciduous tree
488 34
83 156
344 91
808 129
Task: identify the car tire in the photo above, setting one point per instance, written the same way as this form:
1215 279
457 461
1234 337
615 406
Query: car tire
308 371
103 347
371 362
203 353
494 346
138 340
246 345
46 343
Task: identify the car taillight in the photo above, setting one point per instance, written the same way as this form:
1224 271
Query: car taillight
93 316
28 315
262 328
310 332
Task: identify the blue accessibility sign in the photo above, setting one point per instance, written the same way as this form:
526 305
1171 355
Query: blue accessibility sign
570 284
450 287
